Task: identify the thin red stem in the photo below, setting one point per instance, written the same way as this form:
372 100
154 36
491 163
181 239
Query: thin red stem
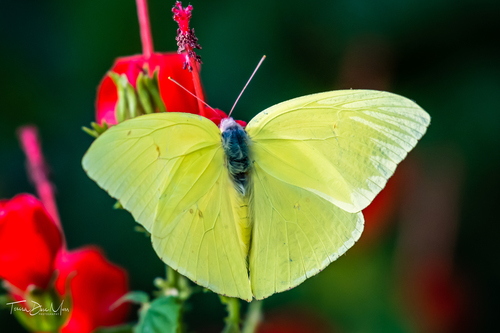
37 170
146 37
197 87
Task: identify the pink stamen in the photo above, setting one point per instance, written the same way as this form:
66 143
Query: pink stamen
187 42
250 79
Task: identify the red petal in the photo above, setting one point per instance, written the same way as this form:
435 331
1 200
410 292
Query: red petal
29 242
168 64
95 285
242 123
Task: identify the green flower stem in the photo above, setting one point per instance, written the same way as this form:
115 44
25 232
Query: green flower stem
253 318
177 282
233 314
172 277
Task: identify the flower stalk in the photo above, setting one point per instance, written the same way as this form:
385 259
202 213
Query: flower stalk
233 314
253 317
38 171
145 27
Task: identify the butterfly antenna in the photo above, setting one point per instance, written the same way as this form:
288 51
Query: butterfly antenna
250 79
177 83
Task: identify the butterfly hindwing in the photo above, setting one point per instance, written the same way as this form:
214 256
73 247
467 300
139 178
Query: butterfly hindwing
296 234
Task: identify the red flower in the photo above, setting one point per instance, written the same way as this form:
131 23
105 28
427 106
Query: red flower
31 252
29 242
167 64
95 285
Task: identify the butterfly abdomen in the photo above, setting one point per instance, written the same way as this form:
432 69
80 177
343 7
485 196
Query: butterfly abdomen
235 142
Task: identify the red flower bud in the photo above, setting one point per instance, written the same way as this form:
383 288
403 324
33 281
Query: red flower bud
29 242
167 64
95 284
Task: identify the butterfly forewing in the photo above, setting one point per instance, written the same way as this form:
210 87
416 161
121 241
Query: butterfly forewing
168 170
341 145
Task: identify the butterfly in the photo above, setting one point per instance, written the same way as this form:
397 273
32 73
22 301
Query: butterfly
251 212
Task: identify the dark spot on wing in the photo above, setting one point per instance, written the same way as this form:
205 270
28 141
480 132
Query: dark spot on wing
191 211
129 132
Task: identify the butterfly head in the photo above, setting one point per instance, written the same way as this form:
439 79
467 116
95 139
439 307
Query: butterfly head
229 124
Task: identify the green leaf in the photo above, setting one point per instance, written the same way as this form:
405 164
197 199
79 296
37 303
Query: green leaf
159 316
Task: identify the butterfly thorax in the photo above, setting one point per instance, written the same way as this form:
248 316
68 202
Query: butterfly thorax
235 142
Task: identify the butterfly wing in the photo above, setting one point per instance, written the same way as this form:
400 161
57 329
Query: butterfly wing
168 170
318 161
296 234
342 145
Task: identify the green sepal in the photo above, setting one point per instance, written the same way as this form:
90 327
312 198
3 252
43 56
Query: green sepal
143 93
137 297
118 205
38 301
96 129
90 132
160 316
139 228
153 88
121 82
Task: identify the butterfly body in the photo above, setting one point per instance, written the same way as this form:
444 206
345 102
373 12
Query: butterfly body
255 211
236 142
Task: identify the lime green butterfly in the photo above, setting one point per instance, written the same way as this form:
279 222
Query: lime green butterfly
249 213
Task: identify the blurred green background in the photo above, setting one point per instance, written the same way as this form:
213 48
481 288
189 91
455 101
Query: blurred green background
430 264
